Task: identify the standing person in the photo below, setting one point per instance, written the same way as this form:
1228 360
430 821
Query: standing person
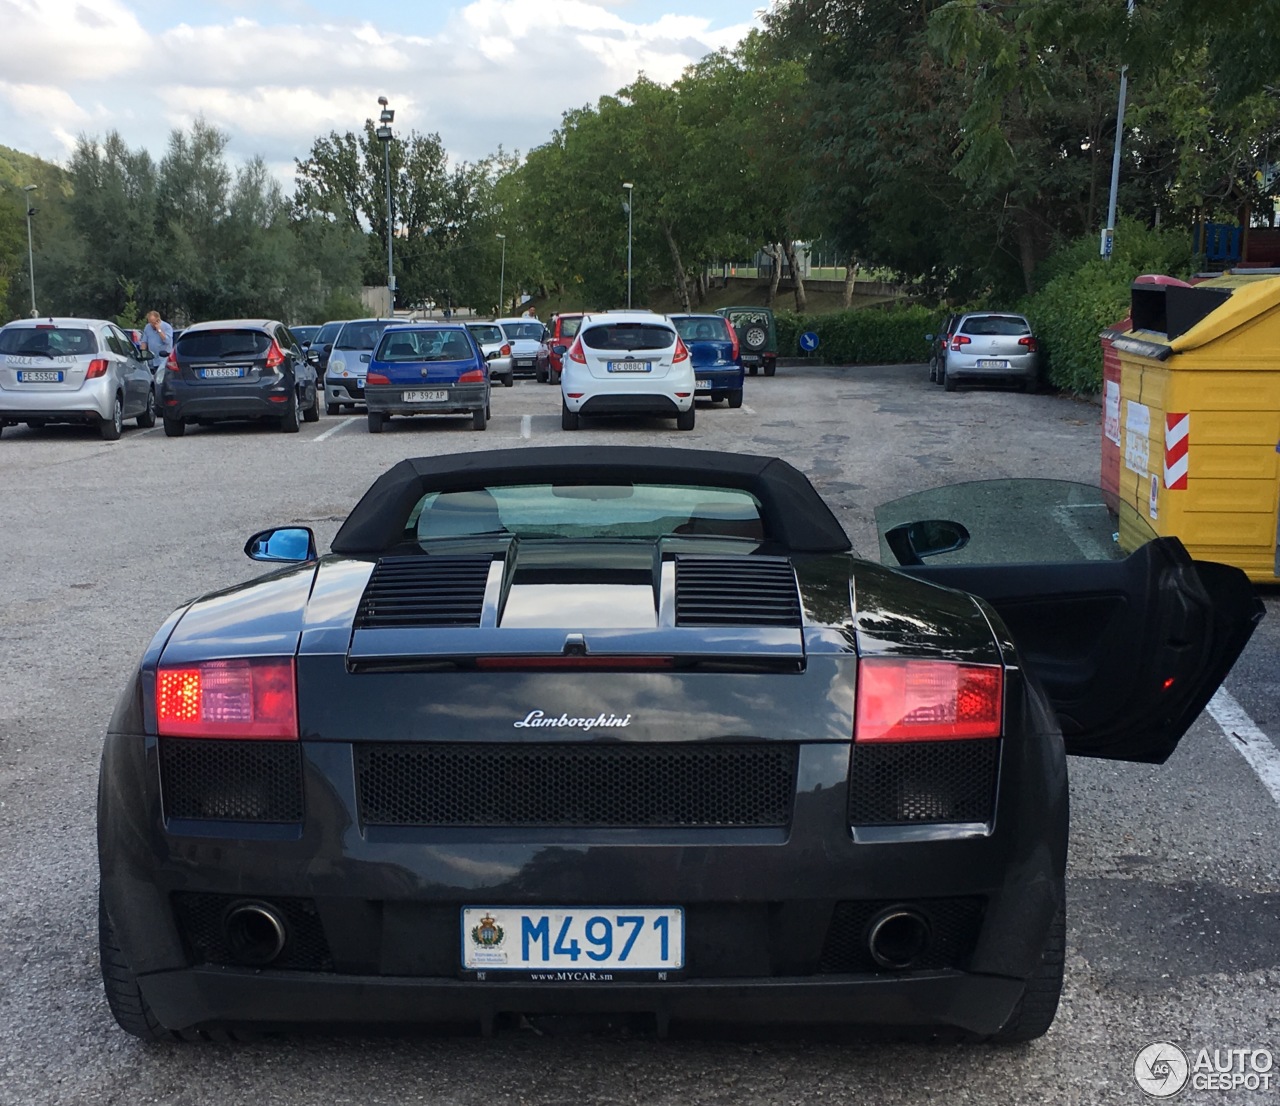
157 341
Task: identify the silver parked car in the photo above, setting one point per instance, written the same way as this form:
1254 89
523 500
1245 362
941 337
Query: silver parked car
525 336
349 362
496 349
73 370
987 345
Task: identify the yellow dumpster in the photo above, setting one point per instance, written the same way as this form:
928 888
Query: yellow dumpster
1200 417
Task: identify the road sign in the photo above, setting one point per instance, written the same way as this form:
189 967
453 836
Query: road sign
808 341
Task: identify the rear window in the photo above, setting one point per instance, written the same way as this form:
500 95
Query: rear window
640 511
531 330
620 336
695 329
215 344
47 341
486 333
360 335
423 345
995 325
569 327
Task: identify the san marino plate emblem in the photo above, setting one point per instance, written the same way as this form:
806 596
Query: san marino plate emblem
488 934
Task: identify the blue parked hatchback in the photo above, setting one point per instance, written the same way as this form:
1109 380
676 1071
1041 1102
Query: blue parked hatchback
717 366
427 369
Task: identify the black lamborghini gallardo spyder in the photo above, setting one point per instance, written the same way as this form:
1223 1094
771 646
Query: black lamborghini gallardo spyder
633 732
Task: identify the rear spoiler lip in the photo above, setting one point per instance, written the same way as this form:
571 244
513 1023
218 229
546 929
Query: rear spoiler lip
785 643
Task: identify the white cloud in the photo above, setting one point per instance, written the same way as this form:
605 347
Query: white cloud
58 41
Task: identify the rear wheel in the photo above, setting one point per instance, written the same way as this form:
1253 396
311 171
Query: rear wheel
933 368
312 413
147 419
735 397
290 419
113 426
375 422
479 418
174 428
568 419
509 380
332 408
124 998
684 420
770 367
948 381
555 378
752 369
1038 1005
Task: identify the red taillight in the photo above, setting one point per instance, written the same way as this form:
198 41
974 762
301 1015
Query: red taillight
733 337
275 355
472 376
1031 344
682 352
377 378
959 340
252 698
97 368
905 699
575 352
505 351
171 362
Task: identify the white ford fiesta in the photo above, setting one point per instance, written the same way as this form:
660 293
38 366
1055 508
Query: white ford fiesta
627 363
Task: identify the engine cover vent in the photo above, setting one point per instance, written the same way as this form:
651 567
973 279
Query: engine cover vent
425 591
736 591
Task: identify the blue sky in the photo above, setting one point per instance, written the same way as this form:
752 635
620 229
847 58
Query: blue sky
274 74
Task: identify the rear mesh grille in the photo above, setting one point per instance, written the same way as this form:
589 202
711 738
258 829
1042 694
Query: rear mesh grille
425 591
953 931
200 918
576 785
736 591
905 783
240 781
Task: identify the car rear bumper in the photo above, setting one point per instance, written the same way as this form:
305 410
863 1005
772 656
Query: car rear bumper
179 400
88 403
458 398
630 404
719 379
968 365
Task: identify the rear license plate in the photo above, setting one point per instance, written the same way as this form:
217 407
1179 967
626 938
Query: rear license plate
704 385
210 374
628 366
575 939
523 362
750 358
39 376
987 363
424 397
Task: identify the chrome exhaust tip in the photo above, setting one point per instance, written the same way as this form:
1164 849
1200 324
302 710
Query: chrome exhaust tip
255 933
898 938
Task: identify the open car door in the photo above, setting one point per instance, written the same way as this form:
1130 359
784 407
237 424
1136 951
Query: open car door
1128 635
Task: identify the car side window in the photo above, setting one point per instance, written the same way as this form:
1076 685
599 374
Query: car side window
116 342
285 338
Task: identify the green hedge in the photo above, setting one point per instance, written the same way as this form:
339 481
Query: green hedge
861 336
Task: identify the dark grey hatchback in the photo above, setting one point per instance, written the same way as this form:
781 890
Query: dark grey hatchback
237 369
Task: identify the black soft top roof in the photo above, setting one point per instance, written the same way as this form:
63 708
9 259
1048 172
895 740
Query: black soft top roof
794 513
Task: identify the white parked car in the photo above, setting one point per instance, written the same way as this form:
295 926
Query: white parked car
349 362
627 363
73 370
496 349
525 336
988 345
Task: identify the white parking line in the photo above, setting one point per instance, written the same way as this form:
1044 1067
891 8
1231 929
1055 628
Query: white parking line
748 409
334 429
526 426
1247 740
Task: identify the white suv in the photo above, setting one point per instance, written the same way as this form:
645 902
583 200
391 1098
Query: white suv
627 363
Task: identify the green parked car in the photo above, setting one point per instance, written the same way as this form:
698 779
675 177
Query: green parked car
757 337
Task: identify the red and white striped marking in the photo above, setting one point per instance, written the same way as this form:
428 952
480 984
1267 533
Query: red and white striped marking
1177 441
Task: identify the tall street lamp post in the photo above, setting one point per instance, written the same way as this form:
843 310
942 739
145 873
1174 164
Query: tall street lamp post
384 136
502 275
628 186
31 257
1109 231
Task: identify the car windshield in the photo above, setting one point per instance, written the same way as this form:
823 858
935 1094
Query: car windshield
486 333
326 334
303 333
361 335
615 511
569 327
47 341
531 330
216 344
620 336
694 328
995 325
434 344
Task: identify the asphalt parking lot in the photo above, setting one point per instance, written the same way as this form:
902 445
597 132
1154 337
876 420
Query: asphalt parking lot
1173 878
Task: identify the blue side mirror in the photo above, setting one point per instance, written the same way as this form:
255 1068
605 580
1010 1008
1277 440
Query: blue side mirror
291 544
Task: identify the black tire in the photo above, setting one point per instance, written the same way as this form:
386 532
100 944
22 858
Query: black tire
540 377
555 377
770 367
174 428
1038 1005
509 381
568 419
940 375
948 381
291 419
735 398
312 413
113 426
376 422
124 998
479 418
147 419
685 419
332 408
752 369
933 368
